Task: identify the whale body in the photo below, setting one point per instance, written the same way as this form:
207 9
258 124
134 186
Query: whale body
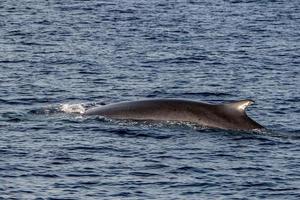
224 116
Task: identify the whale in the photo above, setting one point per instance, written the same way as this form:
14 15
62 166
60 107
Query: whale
231 115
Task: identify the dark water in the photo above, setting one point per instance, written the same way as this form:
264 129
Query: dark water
58 55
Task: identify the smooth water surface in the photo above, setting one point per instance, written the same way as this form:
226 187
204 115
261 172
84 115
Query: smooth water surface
58 57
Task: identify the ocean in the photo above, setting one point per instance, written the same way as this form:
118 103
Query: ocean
59 58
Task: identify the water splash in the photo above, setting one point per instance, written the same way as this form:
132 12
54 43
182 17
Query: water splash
72 108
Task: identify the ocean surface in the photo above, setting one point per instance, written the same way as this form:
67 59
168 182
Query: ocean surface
59 58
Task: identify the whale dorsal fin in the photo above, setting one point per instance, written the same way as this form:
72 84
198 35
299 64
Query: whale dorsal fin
240 105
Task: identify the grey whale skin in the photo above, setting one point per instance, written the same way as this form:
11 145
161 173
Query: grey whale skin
224 116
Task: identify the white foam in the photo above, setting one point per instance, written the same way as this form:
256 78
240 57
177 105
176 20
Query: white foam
72 108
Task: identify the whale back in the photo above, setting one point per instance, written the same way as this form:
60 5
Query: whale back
224 116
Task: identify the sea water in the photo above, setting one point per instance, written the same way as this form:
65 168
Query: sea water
59 58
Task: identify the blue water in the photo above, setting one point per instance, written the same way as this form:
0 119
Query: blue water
57 55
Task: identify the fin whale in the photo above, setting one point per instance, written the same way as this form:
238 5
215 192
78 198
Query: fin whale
230 116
